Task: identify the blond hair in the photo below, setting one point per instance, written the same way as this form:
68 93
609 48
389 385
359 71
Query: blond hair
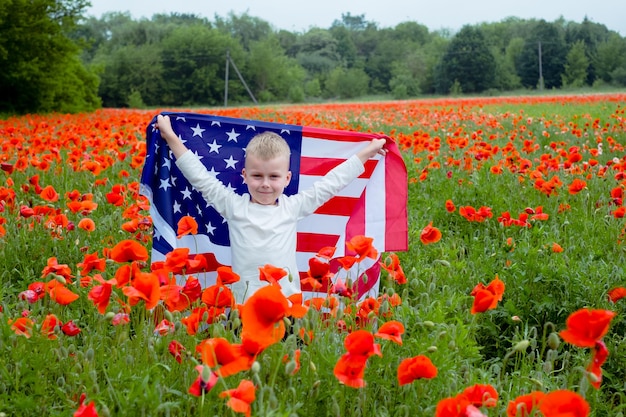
268 145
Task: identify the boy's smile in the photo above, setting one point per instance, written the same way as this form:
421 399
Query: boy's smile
266 179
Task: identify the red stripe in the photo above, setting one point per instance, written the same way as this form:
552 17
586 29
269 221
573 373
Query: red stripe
396 199
313 242
321 166
338 206
339 135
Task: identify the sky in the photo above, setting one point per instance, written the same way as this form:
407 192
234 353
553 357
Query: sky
299 16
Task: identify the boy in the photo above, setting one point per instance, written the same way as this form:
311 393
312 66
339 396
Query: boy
262 224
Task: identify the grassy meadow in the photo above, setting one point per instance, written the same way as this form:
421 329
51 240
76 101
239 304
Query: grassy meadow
526 192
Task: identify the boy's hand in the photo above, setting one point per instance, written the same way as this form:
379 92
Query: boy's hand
164 125
376 146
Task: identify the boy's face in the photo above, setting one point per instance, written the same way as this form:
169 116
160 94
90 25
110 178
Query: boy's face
266 179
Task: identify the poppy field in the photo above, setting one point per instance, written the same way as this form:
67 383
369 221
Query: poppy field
509 301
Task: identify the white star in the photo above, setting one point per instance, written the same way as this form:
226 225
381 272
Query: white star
214 147
165 184
177 207
250 127
197 131
198 155
285 131
186 193
174 179
230 187
167 163
232 135
213 172
198 209
231 162
181 118
215 122
209 228
156 233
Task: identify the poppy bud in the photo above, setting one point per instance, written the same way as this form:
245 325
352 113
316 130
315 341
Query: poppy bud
554 341
521 346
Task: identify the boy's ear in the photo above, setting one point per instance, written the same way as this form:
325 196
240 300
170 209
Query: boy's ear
243 173
288 177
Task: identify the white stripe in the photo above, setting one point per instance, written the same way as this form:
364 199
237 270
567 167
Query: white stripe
323 223
375 210
324 148
354 189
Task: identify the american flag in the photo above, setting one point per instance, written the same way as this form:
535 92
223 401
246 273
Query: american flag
374 205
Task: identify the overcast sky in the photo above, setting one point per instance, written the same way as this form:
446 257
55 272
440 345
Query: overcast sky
296 16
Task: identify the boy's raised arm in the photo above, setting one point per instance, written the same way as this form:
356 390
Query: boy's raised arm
165 127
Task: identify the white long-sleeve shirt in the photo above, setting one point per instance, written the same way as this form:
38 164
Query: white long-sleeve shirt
261 234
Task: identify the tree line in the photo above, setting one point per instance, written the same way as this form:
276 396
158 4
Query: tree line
53 58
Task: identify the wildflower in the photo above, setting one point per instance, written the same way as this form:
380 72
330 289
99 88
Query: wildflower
218 296
262 315
564 403
59 293
49 194
394 269
361 342
22 326
350 370
600 354
414 368
430 234
70 328
100 295
120 319
556 248
271 274
48 326
144 286
54 267
577 186
128 251
487 297
362 245
91 262
617 294
585 327
176 349
241 397
392 330
228 358
524 405
85 410
481 395
87 224
296 361
450 208
164 327
187 225
204 383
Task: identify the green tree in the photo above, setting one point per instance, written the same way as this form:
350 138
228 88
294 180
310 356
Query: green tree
347 83
545 41
611 56
576 65
40 66
469 61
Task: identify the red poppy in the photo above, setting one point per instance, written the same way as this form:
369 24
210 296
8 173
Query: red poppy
577 186
487 297
564 403
70 328
128 251
54 267
481 395
361 343
87 224
91 262
226 276
327 252
59 293
430 234
176 349
187 225
556 248
49 325
144 286
85 410
240 398
362 245
414 368
585 327
617 294
350 370
394 269
218 296
524 405
392 330
600 354
204 383
450 208
296 362
100 295
177 260
22 326
49 194
227 358
262 316
271 274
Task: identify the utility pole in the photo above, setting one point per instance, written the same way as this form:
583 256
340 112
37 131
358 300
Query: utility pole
229 61
540 69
